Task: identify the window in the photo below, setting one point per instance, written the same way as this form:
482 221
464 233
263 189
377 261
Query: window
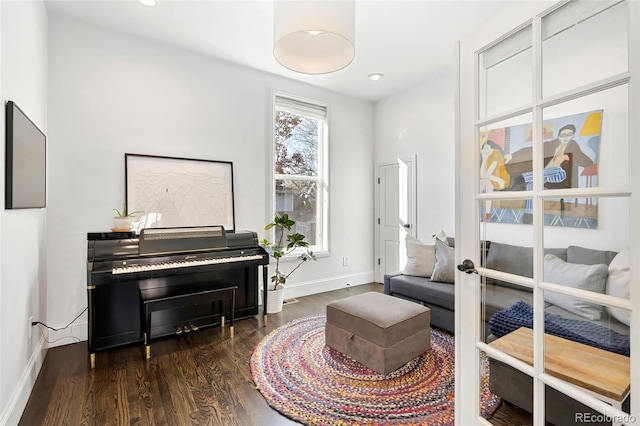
300 167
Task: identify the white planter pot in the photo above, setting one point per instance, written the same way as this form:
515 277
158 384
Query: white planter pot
122 224
274 300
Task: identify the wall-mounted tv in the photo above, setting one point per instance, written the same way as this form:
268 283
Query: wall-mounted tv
25 161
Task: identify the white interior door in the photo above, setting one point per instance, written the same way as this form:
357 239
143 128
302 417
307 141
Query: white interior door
547 182
396 214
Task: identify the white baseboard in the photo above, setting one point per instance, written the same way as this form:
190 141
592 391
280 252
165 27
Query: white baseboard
18 400
327 284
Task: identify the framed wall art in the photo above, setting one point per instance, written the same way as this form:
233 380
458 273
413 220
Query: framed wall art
175 192
571 149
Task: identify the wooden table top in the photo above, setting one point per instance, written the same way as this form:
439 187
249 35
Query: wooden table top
603 372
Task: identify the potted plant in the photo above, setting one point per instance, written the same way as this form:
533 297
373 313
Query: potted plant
122 220
278 250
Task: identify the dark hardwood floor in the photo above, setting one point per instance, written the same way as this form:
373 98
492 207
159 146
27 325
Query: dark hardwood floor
201 378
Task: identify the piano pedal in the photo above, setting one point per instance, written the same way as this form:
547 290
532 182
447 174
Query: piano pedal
179 330
193 327
186 329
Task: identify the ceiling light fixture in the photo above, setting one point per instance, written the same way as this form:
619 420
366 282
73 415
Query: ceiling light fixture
314 37
148 2
376 76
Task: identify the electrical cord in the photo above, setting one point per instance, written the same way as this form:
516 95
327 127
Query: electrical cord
62 328
39 323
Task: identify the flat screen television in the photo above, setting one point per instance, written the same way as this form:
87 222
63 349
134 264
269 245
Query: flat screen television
25 161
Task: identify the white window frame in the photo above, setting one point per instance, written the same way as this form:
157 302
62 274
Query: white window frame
322 207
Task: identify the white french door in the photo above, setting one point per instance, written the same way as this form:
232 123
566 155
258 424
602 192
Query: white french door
547 201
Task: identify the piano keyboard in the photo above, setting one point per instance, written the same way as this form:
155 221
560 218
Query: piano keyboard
128 269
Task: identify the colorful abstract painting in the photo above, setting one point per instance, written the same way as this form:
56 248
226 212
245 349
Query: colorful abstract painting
571 148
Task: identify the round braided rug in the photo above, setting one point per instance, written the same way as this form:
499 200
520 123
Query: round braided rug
315 385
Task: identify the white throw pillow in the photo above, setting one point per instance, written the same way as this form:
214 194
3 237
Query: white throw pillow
421 258
618 284
441 236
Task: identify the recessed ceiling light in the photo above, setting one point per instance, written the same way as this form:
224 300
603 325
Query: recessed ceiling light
148 2
375 76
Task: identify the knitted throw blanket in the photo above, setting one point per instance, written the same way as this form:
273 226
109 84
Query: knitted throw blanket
588 333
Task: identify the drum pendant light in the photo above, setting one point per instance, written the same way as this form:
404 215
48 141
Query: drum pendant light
314 37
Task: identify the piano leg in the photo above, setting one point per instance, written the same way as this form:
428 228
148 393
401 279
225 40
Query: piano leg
147 346
265 286
146 310
233 310
92 360
222 319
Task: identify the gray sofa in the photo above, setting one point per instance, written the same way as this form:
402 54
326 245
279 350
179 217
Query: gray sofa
510 384
440 297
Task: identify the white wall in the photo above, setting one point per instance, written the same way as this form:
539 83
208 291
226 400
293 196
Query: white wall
111 94
23 290
420 122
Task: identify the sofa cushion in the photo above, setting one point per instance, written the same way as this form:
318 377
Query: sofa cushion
587 256
417 288
421 258
586 277
444 269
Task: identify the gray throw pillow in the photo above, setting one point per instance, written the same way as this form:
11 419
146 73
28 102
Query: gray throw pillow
444 269
586 277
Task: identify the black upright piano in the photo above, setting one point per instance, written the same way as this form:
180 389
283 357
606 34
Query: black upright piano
169 281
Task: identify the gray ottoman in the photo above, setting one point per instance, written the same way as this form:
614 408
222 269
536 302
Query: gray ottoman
381 332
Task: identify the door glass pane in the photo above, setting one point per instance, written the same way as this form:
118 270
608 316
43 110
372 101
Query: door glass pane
563 410
513 388
505 74
495 379
594 260
583 42
505 165
504 249
587 142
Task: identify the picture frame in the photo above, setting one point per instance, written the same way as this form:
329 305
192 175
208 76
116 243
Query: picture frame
179 192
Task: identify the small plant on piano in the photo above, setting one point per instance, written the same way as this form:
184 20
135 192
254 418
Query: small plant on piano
124 213
278 249
122 220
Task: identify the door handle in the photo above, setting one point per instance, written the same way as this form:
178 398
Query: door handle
407 225
467 266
